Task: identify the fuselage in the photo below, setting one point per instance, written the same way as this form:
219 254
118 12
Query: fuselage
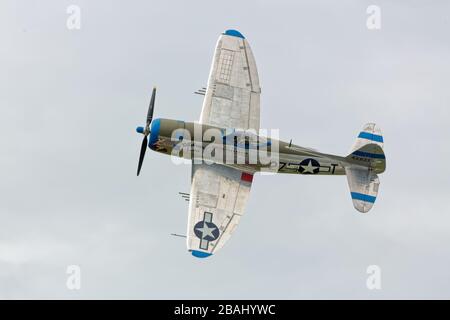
243 149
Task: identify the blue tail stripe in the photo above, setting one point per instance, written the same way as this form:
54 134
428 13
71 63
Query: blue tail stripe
369 155
363 197
370 136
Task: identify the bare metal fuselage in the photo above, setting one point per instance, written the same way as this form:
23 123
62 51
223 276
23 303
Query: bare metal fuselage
210 144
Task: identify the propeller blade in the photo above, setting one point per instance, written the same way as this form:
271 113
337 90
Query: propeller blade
141 156
151 107
146 130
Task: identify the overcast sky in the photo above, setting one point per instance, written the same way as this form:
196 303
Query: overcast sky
70 101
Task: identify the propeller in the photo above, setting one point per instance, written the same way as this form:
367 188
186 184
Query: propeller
146 130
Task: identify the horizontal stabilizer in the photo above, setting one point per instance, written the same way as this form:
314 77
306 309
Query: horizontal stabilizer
370 134
363 184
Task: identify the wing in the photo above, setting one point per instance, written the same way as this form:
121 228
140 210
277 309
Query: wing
217 202
232 95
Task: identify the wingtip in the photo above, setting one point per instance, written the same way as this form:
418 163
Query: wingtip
234 33
200 254
362 202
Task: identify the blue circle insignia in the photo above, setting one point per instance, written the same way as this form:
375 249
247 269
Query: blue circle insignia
206 231
309 166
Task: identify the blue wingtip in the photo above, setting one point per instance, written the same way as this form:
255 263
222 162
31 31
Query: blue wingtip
234 33
200 254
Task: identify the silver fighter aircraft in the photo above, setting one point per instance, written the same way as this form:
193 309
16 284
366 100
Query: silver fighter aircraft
226 150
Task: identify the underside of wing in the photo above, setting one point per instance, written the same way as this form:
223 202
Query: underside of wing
217 202
233 92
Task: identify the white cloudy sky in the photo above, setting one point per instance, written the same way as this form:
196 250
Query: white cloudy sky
70 102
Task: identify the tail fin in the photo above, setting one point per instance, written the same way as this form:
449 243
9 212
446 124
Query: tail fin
366 159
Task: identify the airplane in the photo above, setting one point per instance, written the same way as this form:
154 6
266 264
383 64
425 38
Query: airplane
220 185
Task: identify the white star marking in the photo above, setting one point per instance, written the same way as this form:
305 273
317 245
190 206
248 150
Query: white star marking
309 168
206 231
